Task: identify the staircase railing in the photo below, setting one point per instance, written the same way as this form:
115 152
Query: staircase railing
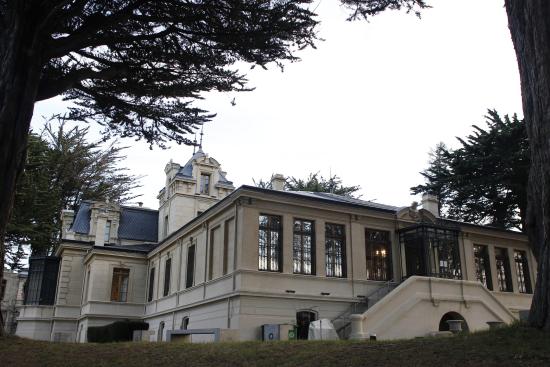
362 306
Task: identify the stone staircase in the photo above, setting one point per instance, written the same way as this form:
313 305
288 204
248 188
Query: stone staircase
342 322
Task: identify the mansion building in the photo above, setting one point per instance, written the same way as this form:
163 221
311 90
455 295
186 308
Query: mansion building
223 260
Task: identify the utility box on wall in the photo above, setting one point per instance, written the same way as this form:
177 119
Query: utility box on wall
270 332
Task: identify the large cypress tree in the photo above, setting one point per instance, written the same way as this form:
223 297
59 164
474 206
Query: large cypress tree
484 181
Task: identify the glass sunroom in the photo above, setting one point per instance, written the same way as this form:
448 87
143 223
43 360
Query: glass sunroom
431 250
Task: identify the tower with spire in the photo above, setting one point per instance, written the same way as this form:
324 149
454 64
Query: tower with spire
189 190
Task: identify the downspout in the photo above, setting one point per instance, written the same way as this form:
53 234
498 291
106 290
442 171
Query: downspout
229 312
351 250
235 247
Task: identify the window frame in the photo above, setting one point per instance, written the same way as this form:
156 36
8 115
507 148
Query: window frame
505 261
202 186
484 256
299 247
270 229
119 275
331 252
167 277
190 265
151 288
381 266
522 271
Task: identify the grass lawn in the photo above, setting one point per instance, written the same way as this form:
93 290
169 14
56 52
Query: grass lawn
505 347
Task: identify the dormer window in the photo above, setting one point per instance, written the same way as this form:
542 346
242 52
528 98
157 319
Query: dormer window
107 234
205 184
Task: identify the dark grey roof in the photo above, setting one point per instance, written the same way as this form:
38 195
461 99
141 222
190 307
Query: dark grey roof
143 248
187 169
137 224
81 223
346 200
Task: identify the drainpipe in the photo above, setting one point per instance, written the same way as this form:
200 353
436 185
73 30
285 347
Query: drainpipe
235 247
351 250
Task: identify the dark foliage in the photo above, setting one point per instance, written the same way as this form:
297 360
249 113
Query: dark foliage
118 331
485 180
366 8
136 66
61 170
314 183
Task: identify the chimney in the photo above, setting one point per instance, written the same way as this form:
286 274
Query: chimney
278 182
67 219
140 203
430 203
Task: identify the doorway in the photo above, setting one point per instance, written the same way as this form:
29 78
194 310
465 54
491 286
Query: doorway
303 319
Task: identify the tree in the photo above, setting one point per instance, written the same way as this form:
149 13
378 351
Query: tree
62 169
133 66
484 181
314 183
529 24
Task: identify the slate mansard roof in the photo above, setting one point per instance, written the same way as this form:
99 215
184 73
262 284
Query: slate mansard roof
187 170
139 224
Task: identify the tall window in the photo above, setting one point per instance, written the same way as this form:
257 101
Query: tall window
190 270
3 289
151 285
167 274
165 228
503 270
119 287
303 247
107 234
483 267
522 272
378 252
205 184
335 250
269 245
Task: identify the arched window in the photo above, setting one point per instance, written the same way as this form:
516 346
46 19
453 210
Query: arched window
160 336
185 323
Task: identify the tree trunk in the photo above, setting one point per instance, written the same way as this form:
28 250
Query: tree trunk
529 23
19 78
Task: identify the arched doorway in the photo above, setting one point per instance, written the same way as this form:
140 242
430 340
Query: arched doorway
161 332
184 323
303 319
444 325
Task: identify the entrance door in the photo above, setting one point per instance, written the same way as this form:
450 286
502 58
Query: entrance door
303 318
414 257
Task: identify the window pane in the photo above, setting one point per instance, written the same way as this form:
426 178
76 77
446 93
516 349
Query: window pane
151 284
205 184
335 247
269 242
503 269
167 274
119 287
378 253
522 271
303 247
482 266
189 278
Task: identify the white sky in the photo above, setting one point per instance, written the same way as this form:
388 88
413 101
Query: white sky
368 104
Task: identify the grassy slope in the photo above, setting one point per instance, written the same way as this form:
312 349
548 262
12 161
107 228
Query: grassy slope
505 347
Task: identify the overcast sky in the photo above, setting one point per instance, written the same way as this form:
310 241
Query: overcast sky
368 104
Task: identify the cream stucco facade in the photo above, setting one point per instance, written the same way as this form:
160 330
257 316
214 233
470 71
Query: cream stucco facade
209 263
